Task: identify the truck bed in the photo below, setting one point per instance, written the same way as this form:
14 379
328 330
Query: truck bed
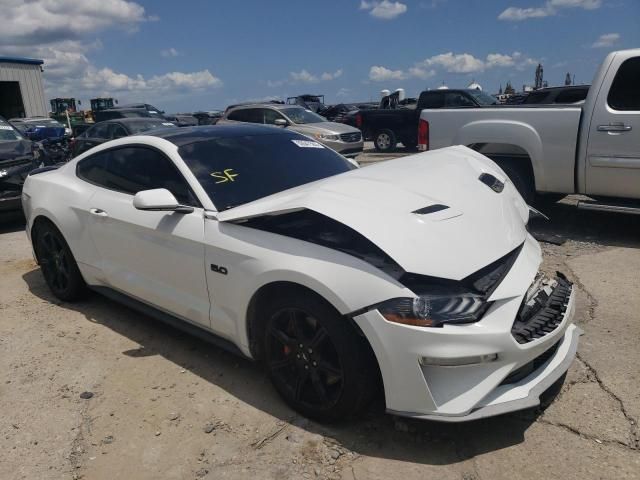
539 132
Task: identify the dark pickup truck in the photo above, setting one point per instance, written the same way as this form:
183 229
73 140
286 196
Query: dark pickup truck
389 126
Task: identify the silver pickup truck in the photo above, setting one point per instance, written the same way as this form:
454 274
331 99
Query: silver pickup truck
591 149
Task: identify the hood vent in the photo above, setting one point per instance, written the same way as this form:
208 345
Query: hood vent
436 207
492 182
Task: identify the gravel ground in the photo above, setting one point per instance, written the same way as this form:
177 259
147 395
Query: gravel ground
94 390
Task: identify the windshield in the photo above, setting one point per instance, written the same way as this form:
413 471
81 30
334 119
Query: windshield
45 122
137 127
302 116
8 133
483 98
238 170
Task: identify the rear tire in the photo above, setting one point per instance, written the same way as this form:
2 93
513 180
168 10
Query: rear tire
58 266
385 141
316 360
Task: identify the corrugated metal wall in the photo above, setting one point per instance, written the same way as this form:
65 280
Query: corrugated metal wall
30 79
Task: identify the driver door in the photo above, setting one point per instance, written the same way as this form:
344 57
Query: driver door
156 257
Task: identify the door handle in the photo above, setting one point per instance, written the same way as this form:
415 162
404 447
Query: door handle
614 127
98 212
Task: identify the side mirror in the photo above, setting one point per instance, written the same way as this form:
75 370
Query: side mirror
159 200
280 122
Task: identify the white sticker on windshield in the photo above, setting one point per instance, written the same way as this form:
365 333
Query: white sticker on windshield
307 144
152 111
168 124
5 127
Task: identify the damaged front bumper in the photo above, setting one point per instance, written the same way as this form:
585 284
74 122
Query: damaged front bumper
465 372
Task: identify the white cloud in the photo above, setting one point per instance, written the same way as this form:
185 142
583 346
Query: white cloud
379 73
516 14
343 92
384 9
304 76
456 63
462 63
550 8
326 76
499 60
170 52
106 79
606 40
421 73
57 32
42 22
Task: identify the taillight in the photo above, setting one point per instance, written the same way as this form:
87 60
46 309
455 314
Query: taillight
423 135
358 120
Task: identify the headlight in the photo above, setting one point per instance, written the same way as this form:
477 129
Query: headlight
434 310
327 136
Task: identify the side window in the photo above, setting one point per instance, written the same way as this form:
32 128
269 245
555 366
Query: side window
457 100
250 115
571 96
117 131
133 169
270 116
625 89
99 130
432 100
94 169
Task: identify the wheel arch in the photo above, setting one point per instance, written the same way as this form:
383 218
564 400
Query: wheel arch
518 141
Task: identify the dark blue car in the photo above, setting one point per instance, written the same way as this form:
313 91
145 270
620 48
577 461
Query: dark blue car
39 128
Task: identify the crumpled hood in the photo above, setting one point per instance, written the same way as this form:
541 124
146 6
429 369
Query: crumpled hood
478 227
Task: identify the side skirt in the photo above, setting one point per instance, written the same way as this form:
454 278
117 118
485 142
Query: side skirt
169 319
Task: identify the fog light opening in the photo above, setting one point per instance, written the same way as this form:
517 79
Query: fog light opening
457 362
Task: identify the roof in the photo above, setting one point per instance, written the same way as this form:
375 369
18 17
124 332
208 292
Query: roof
275 106
186 135
126 120
21 60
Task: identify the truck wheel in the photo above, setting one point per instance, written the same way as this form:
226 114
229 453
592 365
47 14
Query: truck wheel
385 141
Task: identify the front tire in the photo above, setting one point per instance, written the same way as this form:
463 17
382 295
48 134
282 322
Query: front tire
58 266
317 362
385 141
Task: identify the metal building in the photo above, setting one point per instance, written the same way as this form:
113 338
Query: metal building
21 89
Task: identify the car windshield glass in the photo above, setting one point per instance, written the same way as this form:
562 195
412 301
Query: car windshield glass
8 133
44 122
302 116
238 170
137 127
482 98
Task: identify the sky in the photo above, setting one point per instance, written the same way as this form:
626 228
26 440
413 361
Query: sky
205 54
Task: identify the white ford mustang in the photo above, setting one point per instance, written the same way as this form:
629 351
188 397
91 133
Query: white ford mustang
417 274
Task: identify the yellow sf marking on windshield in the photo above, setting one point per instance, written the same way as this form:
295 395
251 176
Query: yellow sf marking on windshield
226 175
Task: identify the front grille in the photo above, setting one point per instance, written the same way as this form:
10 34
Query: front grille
351 137
542 314
530 367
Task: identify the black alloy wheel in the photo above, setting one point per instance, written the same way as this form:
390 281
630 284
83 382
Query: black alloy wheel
302 359
58 266
317 361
